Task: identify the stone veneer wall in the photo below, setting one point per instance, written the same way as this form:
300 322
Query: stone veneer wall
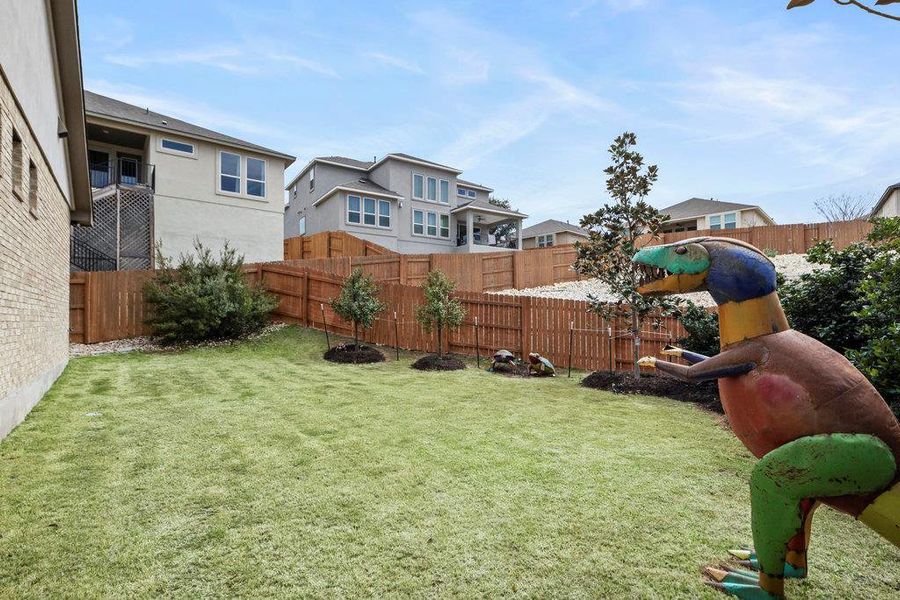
34 274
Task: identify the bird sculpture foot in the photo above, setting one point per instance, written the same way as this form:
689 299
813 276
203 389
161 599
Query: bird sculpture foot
747 558
738 583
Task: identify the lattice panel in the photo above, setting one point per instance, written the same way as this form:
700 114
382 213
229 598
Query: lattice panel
135 229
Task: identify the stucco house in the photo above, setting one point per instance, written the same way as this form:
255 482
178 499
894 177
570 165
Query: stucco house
889 203
158 180
700 213
405 203
43 188
552 233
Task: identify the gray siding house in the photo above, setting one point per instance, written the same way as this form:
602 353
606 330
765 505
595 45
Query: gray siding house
407 204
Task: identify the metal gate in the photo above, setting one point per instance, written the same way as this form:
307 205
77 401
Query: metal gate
121 237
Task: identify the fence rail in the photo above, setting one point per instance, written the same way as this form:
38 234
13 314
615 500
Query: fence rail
109 305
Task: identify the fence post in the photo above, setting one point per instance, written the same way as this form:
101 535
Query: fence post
304 299
518 278
402 268
477 346
525 325
397 335
325 326
571 341
88 309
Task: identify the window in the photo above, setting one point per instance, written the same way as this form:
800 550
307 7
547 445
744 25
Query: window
432 224
418 186
294 192
476 235
175 146
256 177
461 191
445 226
384 213
33 188
418 222
471 193
715 222
301 225
17 165
445 191
229 172
368 211
545 241
432 189
730 220
312 178
353 209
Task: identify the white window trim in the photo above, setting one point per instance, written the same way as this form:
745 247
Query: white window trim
549 237
301 225
312 178
164 150
436 190
263 181
439 184
219 174
412 191
464 190
362 212
437 217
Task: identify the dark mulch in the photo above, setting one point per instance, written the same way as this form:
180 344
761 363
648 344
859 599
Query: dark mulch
433 362
510 370
350 353
705 393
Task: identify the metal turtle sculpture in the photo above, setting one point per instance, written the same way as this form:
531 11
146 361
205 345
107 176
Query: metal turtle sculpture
504 360
821 431
540 366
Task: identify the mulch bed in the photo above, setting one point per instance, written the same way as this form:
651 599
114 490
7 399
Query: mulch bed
510 370
433 362
705 393
351 354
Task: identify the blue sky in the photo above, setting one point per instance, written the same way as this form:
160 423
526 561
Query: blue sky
733 99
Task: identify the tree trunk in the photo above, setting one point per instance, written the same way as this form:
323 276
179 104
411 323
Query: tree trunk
356 334
440 348
636 342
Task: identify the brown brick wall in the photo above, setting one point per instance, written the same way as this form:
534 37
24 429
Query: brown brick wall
34 273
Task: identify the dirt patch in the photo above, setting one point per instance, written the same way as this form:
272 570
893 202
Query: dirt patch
433 362
510 370
705 393
353 354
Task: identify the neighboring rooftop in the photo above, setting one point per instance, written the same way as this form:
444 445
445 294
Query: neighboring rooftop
488 207
367 165
104 106
884 198
552 226
696 207
473 185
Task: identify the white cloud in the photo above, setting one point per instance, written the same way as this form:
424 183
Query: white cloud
396 62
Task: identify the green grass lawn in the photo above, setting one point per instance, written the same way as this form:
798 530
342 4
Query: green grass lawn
261 470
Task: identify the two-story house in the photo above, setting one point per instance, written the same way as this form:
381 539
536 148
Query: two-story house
160 182
701 213
407 204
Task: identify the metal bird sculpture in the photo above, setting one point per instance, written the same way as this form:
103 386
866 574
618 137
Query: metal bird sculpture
821 431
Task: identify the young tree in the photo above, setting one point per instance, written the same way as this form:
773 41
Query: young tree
358 302
440 311
614 229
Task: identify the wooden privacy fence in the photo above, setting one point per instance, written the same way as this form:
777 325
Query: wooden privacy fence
482 272
784 239
329 244
109 305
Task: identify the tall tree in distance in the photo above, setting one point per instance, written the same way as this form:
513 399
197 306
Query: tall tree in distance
856 3
503 232
844 207
613 232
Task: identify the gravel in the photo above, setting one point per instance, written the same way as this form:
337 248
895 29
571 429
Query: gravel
147 344
790 265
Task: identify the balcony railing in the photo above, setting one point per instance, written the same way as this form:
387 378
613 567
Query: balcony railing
125 171
84 257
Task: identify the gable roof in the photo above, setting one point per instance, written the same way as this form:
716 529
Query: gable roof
368 165
884 198
697 207
486 206
110 108
361 185
416 159
552 226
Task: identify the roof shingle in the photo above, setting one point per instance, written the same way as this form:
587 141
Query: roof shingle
552 226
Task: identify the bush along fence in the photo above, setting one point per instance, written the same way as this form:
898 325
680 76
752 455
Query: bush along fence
109 305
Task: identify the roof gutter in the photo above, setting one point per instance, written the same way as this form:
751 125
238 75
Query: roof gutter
349 190
496 211
64 16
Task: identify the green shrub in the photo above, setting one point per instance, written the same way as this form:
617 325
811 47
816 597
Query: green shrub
770 252
702 329
205 298
358 302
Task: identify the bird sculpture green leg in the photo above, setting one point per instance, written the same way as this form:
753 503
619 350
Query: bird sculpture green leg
821 431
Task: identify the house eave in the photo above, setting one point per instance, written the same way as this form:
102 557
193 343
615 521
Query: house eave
415 162
341 188
324 162
493 211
